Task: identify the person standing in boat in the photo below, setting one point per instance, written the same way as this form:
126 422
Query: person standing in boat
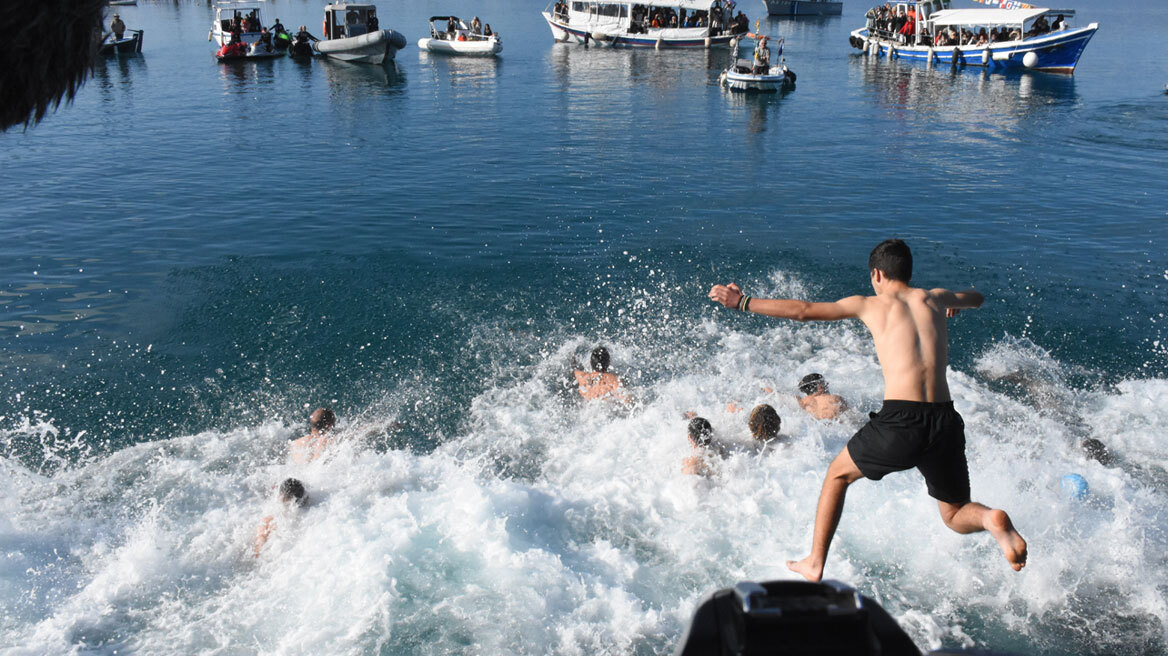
371 23
762 58
118 27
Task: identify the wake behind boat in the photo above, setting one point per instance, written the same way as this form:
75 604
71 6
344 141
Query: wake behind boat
1029 38
647 23
352 33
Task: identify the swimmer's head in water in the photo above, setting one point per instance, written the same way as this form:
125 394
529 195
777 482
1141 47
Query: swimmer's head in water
292 491
892 258
812 383
322 419
1096 450
764 423
600 359
700 431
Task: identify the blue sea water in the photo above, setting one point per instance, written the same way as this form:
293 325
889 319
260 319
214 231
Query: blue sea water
195 255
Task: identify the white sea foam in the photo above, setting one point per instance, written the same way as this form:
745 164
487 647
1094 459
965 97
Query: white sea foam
551 526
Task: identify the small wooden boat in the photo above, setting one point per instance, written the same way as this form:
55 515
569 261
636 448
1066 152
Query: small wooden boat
352 33
126 45
459 39
745 76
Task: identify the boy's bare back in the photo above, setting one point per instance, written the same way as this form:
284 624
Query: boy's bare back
912 342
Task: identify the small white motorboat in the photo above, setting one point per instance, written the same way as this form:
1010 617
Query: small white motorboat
459 39
748 76
352 33
126 45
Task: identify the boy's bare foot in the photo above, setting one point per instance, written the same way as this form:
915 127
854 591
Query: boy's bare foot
998 523
810 570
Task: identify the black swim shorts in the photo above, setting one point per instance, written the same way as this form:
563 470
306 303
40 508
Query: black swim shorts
907 434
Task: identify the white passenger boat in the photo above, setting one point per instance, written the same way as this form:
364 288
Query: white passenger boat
1023 38
227 14
352 33
804 7
249 20
459 39
646 23
743 76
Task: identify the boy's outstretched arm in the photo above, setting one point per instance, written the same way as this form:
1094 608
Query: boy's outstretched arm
845 308
955 302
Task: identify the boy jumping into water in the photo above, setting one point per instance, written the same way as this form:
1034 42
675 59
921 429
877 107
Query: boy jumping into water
917 427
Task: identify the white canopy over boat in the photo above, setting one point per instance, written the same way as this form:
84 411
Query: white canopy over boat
985 17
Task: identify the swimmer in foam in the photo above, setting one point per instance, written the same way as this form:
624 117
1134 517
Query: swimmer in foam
600 383
311 446
764 424
293 496
917 427
701 435
817 401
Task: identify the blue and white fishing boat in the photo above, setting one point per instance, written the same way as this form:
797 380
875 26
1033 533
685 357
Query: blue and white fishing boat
1021 37
646 23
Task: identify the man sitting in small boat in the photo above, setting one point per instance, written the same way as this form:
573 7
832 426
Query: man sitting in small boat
118 27
762 58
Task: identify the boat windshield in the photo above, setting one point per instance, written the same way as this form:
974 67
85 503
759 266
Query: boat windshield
348 21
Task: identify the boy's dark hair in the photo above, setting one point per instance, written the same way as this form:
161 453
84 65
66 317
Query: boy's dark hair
700 431
892 258
764 422
322 419
811 382
292 490
600 359
1097 451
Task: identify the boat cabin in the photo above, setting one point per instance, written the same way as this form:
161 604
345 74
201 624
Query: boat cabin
674 18
345 20
244 15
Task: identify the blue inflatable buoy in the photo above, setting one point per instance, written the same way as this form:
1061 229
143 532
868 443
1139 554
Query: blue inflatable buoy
1073 487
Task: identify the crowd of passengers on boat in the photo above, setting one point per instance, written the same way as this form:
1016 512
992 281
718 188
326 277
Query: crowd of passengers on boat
900 24
720 19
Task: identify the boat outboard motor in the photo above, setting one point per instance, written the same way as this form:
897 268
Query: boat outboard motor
793 618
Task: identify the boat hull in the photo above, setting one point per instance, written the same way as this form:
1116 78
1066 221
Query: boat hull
476 48
585 34
747 83
803 7
126 46
1057 52
372 48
